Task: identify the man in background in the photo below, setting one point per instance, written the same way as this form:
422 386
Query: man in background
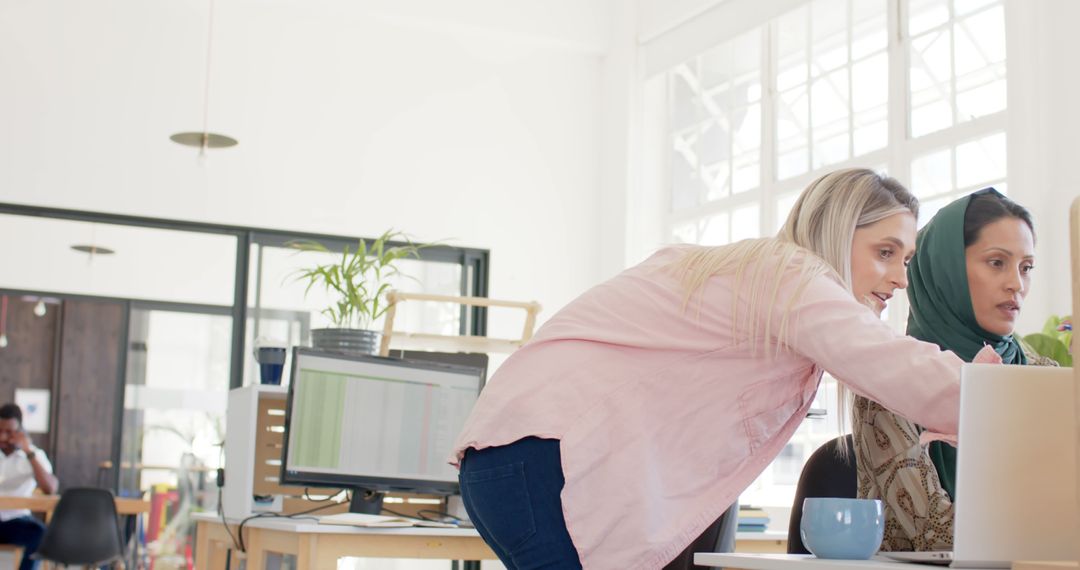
23 468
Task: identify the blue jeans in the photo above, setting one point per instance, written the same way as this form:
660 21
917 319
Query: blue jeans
512 495
26 532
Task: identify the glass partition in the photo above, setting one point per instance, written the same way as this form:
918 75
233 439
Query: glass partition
144 263
283 309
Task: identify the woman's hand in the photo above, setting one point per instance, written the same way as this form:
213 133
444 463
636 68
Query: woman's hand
987 356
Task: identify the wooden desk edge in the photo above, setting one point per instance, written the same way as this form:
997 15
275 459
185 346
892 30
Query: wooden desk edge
47 503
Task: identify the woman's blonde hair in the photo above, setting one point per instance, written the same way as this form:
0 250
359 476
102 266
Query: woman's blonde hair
822 222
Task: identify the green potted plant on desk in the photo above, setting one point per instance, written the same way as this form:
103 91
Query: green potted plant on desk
358 282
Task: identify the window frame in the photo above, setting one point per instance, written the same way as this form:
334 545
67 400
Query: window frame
897 156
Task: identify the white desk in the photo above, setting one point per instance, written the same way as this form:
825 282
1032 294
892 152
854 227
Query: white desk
318 546
800 562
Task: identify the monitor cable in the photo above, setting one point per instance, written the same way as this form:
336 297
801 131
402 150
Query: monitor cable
240 530
221 509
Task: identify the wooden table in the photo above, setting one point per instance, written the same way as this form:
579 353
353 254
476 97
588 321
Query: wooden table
46 504
319 546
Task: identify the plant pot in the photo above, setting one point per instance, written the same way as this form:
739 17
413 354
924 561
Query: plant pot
346 341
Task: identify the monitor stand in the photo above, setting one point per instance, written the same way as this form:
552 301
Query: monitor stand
366 501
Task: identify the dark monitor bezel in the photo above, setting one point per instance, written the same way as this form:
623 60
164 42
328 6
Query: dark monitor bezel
333 480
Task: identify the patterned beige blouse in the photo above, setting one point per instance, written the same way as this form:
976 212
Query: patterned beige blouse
894 467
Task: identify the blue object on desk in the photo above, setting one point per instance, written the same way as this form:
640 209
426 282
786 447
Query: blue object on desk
271 364
848 529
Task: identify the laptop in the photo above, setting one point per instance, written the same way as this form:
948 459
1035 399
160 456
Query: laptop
1016 478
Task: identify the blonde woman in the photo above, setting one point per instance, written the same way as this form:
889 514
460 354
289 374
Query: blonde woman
643 408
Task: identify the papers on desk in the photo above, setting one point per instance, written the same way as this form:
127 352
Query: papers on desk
379 521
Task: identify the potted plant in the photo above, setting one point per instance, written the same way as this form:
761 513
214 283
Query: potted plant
358 282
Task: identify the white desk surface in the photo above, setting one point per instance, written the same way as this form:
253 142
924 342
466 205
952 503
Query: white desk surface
309 525
800 562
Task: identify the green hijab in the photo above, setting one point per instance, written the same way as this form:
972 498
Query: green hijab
941 310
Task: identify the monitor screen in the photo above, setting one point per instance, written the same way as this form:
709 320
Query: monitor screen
374 423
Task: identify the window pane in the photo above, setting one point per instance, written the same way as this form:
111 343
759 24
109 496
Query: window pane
869 33
746 173
687 188
829 116
722 153
745 68
146 263
980 40
980 64
288 311
926 14
986 97
685 233
714 230
792 29
981 161
927 210
792 129
870 84
174 405
828 25
931 174
783 208
962 7
746 223
683 101
715 142
957 68
717 178
930 80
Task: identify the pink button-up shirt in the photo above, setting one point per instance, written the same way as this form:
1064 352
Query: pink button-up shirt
664 419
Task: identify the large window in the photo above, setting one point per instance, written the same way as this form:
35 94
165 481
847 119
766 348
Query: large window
913 88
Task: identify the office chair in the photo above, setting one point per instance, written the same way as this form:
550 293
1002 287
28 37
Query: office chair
84 530
826 474
718 537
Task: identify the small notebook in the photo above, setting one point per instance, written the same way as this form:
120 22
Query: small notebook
379 521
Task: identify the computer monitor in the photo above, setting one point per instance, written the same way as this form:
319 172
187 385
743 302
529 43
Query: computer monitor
470 359
374 424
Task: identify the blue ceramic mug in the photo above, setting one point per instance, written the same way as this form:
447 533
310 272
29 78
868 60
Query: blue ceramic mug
848 529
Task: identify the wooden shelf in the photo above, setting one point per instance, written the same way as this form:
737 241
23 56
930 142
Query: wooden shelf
418 341
392 339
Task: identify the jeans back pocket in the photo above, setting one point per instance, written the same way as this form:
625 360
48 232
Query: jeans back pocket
499 498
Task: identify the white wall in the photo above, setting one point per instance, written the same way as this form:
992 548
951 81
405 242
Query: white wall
477 122
1044 87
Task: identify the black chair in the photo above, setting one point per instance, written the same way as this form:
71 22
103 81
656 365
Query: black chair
84 530
828 473
718 537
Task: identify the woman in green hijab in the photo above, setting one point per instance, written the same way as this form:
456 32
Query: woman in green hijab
968 280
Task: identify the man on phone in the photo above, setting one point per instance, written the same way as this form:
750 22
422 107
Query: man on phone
23 468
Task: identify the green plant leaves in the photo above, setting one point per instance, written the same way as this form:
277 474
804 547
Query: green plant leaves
1050 347
359 278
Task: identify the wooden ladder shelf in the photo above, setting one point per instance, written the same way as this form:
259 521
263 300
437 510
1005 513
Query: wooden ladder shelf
454 343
